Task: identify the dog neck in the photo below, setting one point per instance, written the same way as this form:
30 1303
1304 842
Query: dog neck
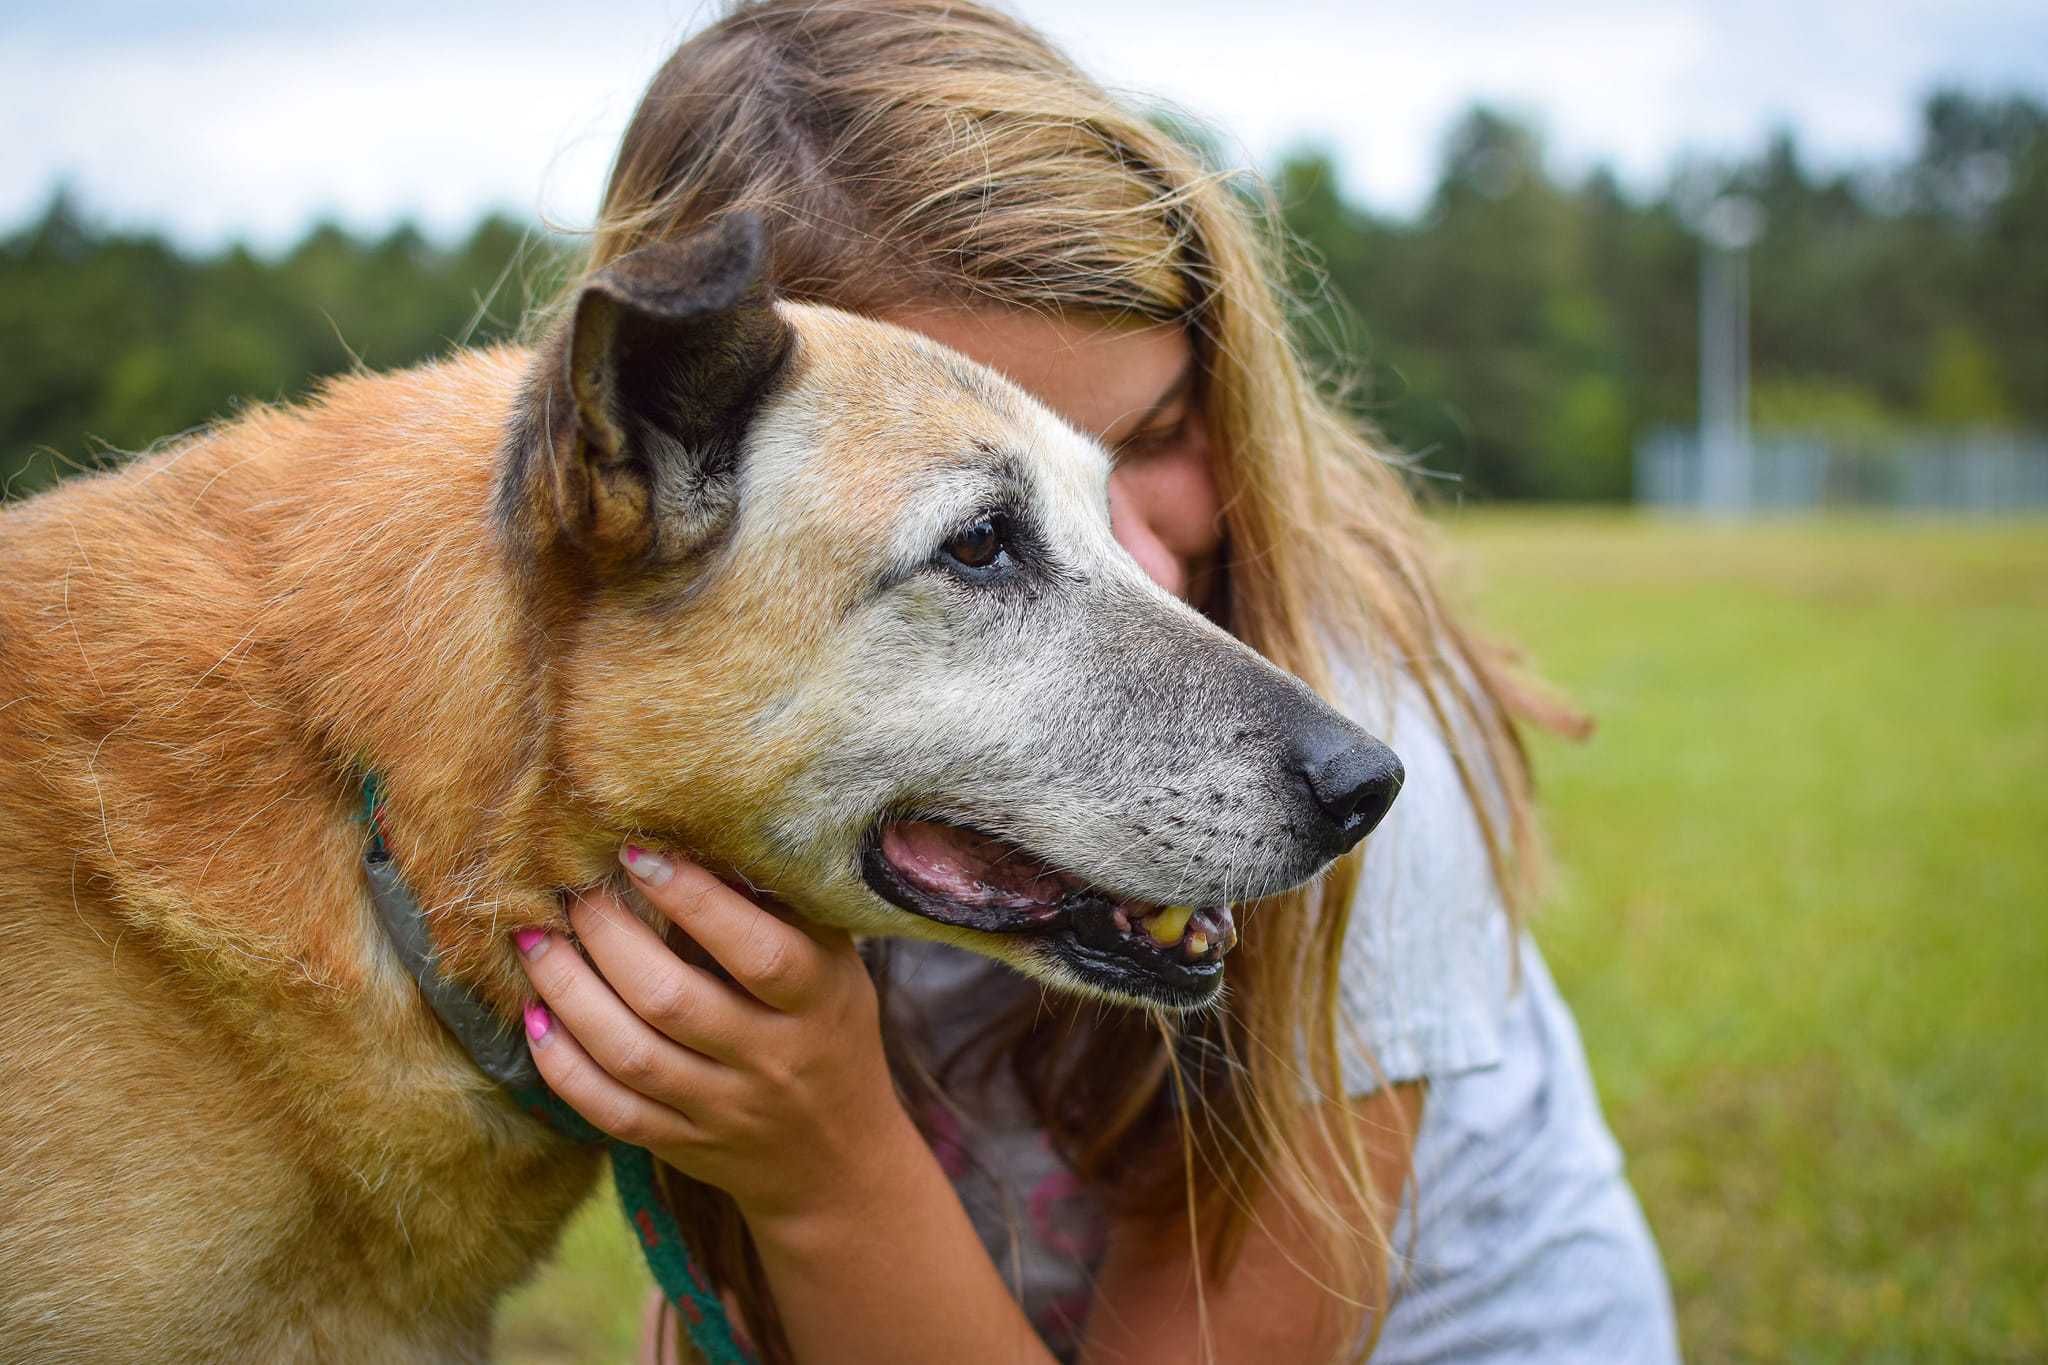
409 642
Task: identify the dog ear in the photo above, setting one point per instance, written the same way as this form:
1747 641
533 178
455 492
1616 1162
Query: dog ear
646 396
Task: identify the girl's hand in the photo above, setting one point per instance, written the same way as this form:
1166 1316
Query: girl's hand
774 1090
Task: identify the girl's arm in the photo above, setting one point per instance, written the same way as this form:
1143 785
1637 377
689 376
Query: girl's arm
777 1093
1145 1307
1272 1305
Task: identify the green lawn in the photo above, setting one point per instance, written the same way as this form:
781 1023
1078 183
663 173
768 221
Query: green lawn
1802 916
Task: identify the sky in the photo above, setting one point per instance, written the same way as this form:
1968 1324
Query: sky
220 120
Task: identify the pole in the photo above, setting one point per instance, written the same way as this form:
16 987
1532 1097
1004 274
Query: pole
1727 229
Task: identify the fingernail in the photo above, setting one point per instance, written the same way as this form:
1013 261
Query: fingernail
648 867
539 1023
531 942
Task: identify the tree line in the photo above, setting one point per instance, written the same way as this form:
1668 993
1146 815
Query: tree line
1514 338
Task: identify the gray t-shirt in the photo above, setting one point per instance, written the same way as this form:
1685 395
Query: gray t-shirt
1521 1239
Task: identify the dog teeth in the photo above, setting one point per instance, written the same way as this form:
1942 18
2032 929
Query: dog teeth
1165 926
1224 929
1197 944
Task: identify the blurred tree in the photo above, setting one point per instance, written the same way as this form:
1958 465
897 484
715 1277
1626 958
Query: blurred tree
109 342
1523 332
1827 408
2008 273
1516 338
1487 351
1964 388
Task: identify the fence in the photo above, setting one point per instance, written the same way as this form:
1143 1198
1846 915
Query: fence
1979 473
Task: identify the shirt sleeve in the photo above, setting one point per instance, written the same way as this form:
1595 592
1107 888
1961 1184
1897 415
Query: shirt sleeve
1427 958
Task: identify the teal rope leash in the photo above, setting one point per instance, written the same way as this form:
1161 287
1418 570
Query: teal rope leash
668 1258
661 1240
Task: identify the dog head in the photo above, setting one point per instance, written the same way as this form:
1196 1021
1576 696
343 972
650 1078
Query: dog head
841 612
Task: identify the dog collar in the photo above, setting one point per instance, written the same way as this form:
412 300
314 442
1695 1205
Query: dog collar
498 1050
491 1042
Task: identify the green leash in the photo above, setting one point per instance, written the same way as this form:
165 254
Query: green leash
661 1241
500 1053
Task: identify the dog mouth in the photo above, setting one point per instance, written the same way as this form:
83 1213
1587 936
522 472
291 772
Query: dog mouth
1170 955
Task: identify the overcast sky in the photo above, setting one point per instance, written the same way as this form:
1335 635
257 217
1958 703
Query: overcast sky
232 118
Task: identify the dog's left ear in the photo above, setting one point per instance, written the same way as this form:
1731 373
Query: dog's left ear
630 445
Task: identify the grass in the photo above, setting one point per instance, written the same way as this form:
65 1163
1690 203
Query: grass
1802 918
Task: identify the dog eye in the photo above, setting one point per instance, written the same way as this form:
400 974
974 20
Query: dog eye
979 544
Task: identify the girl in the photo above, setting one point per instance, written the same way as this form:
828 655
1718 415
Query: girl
1385 1141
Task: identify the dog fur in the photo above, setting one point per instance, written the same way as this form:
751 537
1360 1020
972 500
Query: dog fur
670 575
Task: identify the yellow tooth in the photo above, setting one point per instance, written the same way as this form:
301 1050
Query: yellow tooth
1198 943
1165 926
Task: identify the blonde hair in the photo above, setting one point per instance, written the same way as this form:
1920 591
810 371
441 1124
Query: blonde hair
938 152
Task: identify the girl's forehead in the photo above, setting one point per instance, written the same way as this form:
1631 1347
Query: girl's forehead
1103 376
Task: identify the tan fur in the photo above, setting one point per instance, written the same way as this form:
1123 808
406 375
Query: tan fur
229 1129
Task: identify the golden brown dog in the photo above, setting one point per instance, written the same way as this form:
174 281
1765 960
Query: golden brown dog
804 595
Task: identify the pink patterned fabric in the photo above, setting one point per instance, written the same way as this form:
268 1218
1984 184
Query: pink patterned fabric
1042 1230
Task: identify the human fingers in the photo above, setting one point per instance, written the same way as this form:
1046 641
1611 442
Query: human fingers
778 963
613 1108
688 1004
631 1051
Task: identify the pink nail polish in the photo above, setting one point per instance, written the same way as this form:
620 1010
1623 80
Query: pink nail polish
648 867
531 942
539 1023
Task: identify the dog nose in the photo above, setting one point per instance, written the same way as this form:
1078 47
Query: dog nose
1352 776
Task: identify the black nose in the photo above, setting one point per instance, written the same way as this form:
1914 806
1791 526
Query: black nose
1353 777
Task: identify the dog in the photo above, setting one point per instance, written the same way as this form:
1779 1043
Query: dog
805 595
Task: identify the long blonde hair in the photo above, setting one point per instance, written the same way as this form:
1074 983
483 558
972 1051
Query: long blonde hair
938 152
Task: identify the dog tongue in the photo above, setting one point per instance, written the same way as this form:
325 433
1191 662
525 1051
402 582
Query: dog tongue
972 869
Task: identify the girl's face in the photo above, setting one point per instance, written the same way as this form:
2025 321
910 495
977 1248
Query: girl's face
1138 391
